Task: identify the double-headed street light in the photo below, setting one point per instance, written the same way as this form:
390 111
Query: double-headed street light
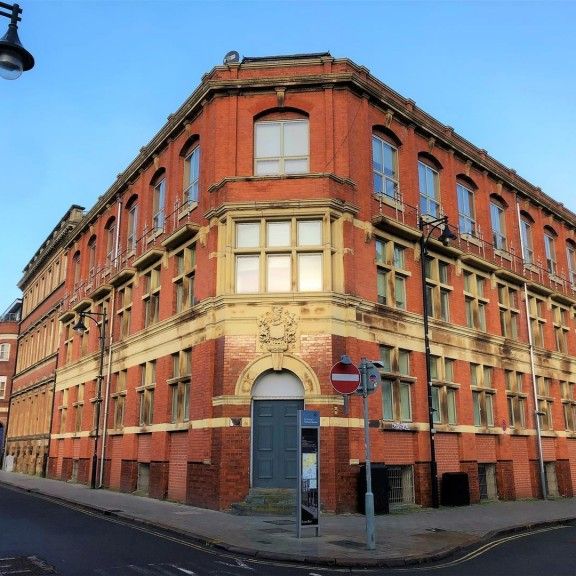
445 236
81 328
14 58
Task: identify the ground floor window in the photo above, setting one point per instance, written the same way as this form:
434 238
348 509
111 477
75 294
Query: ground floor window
143 480
401 484
487 481
550 479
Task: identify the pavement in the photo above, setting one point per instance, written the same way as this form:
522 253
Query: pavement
402 538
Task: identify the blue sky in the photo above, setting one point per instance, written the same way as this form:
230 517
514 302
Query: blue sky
108 73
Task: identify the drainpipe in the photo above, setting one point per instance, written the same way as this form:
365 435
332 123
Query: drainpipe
110 342
532 367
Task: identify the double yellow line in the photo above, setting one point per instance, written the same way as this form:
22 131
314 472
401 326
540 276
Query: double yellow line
486 548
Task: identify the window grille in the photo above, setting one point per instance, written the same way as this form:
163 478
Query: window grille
401 484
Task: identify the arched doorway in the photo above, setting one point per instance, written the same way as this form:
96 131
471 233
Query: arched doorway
276 399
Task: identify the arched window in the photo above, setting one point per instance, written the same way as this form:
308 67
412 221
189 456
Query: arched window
191 155
498 222
76 268
429 184
110 241
158 200
550 249
466 206
385 165
281 144
132 224
526 224
92 256
571 258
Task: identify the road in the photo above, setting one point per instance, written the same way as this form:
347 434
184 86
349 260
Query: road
40 536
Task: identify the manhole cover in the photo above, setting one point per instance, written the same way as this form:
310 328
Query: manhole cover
25 565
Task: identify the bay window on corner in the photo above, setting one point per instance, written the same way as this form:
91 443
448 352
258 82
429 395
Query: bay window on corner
284 255
281 147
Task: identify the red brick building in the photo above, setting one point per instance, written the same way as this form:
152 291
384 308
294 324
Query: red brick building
274 224
8 353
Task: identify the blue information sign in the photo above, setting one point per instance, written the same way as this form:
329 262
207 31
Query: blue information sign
308 488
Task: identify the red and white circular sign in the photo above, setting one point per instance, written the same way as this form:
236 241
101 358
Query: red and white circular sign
345 378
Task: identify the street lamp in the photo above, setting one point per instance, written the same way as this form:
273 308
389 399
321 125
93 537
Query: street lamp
81 328
445 236
14 58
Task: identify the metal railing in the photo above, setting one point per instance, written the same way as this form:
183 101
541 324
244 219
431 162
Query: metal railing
151 238
476 245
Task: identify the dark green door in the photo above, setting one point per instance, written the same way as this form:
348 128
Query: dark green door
274 446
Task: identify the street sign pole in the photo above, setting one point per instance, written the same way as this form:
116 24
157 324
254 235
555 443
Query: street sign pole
369 497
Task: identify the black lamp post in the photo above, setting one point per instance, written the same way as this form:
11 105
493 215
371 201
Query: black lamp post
445 236
14 58
81 328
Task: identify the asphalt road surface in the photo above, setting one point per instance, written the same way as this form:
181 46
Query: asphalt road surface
39 536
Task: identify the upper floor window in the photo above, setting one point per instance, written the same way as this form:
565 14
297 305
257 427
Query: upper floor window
146 393
110 240
438 288
76 268
3 387
545 402
429 184
281 147
183 280
132 226
509 311
151 297
191 174
571 257
396 384
526 236
516 399
475 301
498 222
279 256
384 168
560 316
550 249
158 200
569 405
482 395
180 384
466 210
537 320
4 351
391 273
92 256
119 399
443 390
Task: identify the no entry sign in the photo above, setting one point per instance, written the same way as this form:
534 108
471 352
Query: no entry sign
345 378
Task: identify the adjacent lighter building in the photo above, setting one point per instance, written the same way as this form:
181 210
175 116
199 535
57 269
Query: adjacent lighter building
271 226
42 285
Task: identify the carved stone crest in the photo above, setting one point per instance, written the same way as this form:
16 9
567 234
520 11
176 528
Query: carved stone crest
277 333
